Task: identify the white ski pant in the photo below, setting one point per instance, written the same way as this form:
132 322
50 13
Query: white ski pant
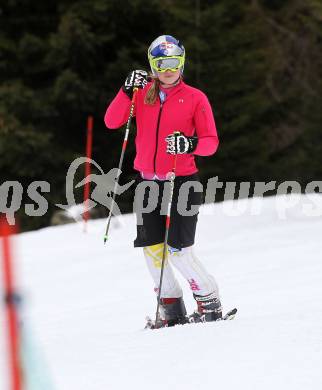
186 262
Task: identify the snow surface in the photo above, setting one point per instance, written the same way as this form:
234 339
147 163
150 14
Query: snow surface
85 305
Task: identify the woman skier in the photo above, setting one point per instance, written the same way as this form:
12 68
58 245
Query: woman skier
173 119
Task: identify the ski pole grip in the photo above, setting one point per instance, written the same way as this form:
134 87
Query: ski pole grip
135 89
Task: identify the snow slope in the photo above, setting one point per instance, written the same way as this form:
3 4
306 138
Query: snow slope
85 306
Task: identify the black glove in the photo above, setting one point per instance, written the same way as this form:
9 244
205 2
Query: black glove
136 78
178 143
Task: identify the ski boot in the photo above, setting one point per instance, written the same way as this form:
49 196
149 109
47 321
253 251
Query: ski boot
209 309
172 312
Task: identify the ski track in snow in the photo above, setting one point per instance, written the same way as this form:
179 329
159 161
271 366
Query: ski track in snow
85 306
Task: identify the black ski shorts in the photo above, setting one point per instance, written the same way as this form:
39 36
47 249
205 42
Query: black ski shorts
182 227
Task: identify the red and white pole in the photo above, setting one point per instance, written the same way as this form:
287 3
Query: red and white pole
125 140
11 307
171 178
89 146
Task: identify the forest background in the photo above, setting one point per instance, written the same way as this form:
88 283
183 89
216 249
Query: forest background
259 62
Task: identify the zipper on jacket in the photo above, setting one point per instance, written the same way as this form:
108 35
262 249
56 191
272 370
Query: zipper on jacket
157 138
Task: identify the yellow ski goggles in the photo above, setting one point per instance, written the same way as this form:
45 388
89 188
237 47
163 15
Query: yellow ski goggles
162 64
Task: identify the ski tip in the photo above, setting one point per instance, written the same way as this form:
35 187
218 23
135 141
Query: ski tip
230 315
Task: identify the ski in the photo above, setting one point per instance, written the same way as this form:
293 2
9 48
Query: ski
230 315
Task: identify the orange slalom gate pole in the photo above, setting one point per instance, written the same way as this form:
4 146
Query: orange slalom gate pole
89 145
11 307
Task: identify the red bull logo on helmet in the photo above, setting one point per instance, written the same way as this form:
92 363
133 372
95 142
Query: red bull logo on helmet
166 45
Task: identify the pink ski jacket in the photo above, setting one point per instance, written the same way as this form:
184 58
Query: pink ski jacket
185 109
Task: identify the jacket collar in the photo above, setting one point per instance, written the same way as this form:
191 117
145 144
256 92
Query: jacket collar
173 91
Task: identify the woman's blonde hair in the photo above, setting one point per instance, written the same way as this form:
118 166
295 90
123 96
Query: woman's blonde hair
153 92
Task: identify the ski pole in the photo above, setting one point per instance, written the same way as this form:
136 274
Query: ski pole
167 227
126 136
